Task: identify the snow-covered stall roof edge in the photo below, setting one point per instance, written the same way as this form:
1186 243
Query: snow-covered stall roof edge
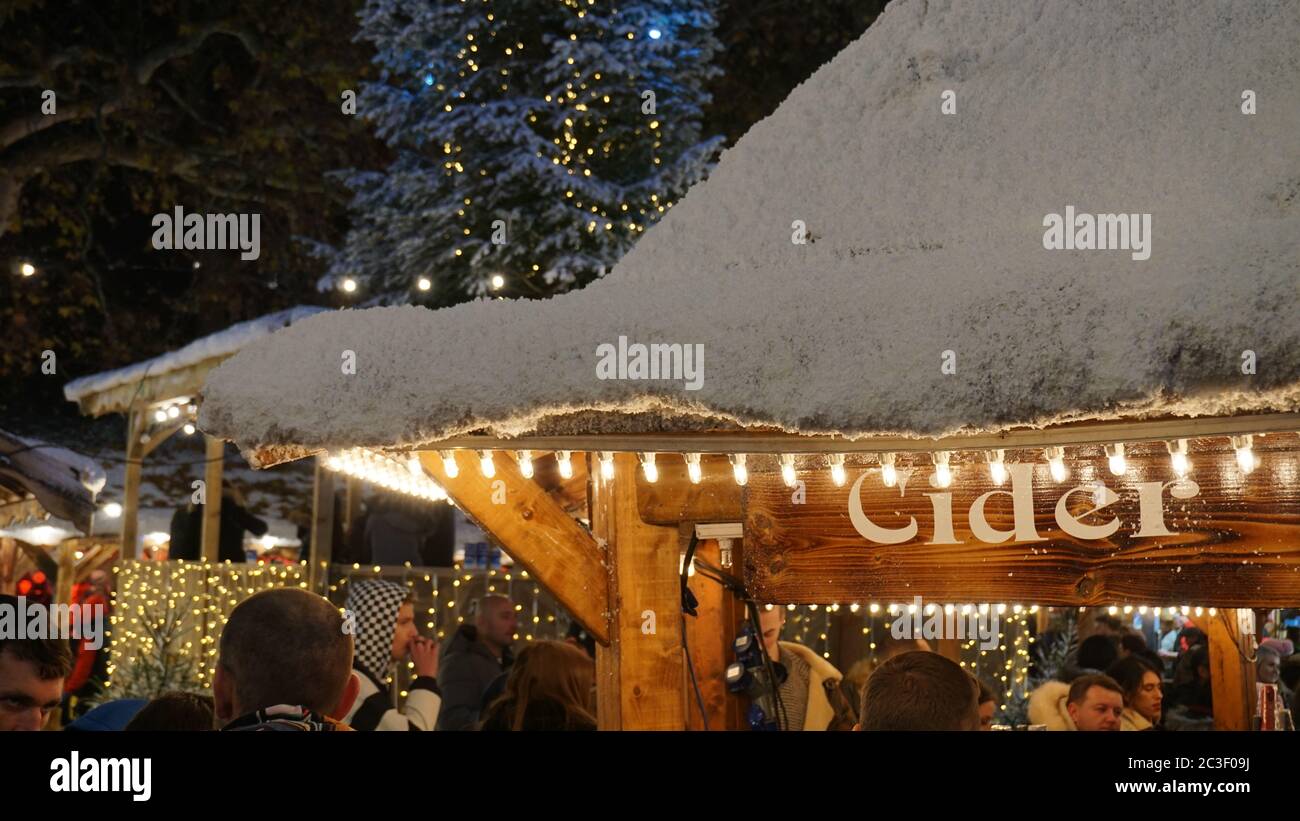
221 343
64 482
926 250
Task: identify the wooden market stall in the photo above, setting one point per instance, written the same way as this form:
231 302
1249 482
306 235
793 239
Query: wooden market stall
159 397
852 366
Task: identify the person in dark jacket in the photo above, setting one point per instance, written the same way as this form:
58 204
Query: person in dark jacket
550 687
472 659
284 664
236 520
385 634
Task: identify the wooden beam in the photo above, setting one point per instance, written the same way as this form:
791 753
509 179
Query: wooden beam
131 489
674 498
215 452
322 528
639 675
67 575
8 559
535 531
1232 675
774 442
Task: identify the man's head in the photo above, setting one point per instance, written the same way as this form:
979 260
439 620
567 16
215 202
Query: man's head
31 676
284 646
1098 652
920 691
771 622
1268 665
404 631
496 620
100 581
1095 703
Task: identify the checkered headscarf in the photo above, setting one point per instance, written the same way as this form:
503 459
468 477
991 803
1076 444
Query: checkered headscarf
374 603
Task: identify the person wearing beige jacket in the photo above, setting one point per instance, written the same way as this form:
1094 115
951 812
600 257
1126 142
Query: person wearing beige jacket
803 693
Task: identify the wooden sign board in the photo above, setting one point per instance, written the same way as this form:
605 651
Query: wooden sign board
1219 538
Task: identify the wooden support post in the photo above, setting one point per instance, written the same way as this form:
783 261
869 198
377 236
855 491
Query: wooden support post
322 529
1232 675
67 575
131 489
639 675
215 451
352 509
535 531
710 639
8 559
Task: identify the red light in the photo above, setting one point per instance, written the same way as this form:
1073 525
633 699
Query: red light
24 587
38 577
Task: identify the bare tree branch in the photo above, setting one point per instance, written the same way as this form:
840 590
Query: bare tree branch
148 64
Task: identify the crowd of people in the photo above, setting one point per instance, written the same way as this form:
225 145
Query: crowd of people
289 660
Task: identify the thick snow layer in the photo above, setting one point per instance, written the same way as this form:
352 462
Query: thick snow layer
221 343
65 483
928 236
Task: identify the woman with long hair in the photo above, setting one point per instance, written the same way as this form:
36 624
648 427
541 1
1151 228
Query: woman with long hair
550 687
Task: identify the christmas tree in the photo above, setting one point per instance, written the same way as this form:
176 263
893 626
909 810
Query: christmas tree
533 142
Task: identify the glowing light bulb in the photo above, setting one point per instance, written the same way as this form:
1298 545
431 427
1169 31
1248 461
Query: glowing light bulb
188 428
526 463
173 412
738 469
423 283
655 34
349 285
486 465
112 510
787 469
565 462
449 465
413 467
997 465
1056 463
160 415
693 469
942 471
1115 458
838 476
1178 457
498 282
1245 453
648 467
888 474
607 465
27 269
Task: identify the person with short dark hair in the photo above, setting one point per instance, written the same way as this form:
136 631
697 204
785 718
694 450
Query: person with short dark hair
920 691
1095 703
32 672
1096 653
1131 643
175 710
284 663
1143 693
472 659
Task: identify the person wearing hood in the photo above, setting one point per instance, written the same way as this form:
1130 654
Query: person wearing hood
386 634
475 656
283 665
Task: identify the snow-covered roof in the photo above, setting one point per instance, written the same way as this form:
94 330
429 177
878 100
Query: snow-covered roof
62 482
213 346
927 233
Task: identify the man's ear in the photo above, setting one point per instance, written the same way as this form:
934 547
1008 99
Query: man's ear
349 697
223 696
